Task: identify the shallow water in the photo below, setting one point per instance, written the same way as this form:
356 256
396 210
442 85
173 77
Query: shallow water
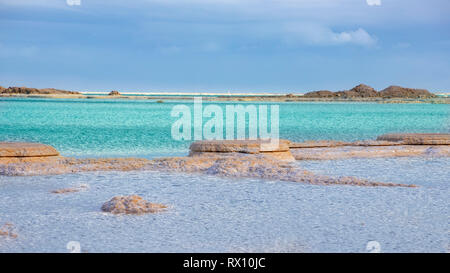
210 214
142 127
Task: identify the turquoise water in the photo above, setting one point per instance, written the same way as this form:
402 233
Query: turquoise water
142 127
215 214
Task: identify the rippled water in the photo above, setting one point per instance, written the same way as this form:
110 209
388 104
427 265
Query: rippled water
142 127
210 214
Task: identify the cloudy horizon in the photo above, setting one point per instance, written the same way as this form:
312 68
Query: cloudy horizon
224 45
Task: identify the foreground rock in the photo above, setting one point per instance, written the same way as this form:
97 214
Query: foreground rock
61 165
279 150
22 152
25 149
236 165
255 166
389 145
238 159
132 204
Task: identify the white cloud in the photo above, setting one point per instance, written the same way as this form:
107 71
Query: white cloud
373 2
320 35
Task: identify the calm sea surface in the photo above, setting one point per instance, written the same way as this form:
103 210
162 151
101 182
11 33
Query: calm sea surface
143 127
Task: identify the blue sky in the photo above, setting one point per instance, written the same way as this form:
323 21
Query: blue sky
225 45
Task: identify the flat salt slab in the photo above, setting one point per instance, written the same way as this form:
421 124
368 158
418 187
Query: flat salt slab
333 143
26 149
239 146
418 139
283 156
332 153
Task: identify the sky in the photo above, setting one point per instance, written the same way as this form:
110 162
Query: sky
287 46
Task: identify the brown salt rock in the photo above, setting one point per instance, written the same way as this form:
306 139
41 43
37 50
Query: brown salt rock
35 91
317 143
278 150
114 93
24 153
333 143
132 204
320 94
417 139
340 152
402 92
59 165
364 91
24 149
360 91
230 159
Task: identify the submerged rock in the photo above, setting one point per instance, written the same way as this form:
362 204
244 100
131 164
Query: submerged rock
132 204
66 190
254 166
69 190
7 230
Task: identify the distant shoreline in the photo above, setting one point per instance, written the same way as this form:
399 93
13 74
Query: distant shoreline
360 93
229 94
224 98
